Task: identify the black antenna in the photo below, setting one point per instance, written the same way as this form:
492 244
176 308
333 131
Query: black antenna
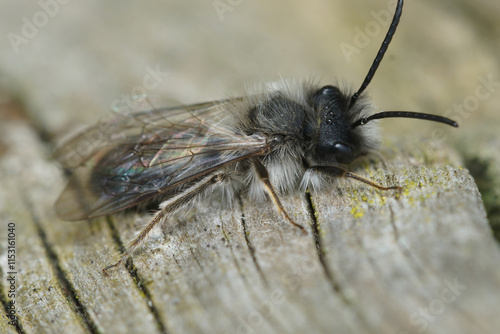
404 114
380 54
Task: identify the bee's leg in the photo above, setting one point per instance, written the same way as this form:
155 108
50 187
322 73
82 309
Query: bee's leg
264 177
168 207
335 171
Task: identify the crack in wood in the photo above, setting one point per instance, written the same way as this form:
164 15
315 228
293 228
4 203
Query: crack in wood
250 290
132 270
319 244
4 300
251 249
147 295
393 224
64 282
331 278
233 255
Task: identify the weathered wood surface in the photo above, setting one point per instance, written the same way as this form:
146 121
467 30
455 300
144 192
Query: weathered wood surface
424 260
380 262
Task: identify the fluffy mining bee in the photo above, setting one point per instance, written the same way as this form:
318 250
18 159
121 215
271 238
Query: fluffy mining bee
283 138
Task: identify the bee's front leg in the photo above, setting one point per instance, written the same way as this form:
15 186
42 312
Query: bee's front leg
264 177
339 172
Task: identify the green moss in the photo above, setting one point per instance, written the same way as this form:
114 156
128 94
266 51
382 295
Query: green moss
488 184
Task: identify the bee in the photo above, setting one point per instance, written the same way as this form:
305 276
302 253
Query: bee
283 138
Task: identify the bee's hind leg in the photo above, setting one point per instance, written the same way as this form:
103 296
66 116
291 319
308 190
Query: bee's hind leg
168 207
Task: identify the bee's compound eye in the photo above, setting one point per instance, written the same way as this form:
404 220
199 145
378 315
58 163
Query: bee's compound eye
343 153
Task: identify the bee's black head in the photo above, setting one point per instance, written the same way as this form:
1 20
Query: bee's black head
333 139
335 134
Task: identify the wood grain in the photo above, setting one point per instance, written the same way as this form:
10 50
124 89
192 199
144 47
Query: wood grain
423 260
372 261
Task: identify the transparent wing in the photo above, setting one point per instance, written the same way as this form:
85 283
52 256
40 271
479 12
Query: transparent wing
125 127
150 154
